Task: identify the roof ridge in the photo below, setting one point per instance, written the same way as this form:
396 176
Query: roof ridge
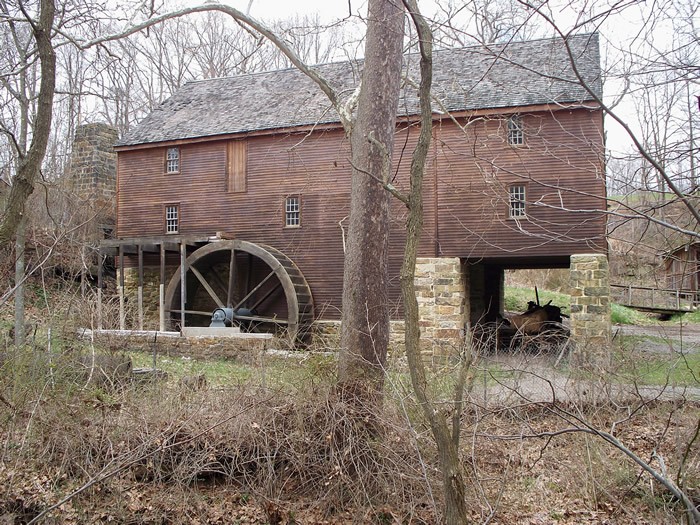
463 79
412 53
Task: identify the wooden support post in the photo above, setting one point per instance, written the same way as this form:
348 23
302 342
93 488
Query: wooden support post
83 278
140 286
122 310
183 283
100 279
161 290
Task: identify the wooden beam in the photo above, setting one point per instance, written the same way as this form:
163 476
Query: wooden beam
140 287
122 311
237 306
161 290
190 240
100 279
183 283
232 276
192 312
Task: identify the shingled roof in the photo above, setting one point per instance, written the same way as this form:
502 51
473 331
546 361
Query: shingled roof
498 76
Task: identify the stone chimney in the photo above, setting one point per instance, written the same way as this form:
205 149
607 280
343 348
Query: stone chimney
93 170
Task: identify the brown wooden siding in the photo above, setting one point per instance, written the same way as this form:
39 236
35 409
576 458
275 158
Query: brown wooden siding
466 197
561 166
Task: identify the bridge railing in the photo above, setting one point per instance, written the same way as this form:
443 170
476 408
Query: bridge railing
655 298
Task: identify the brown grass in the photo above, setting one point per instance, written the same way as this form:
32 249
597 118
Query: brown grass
174 452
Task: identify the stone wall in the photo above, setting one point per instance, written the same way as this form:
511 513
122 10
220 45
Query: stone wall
590 308
326 336
168 344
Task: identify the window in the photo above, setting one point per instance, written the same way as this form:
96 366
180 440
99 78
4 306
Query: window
172 218
517 201
292 211
516 134
172 160
236 165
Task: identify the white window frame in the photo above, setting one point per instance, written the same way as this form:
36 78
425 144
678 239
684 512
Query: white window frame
292 211
516 201
516 131
172 160
172 219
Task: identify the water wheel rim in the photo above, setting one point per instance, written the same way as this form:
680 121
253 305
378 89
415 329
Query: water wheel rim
268 255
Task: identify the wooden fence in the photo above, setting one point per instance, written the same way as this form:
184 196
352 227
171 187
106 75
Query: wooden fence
655 299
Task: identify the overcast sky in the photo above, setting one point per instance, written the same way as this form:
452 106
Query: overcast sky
616 31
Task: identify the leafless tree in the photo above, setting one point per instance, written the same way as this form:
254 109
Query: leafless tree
31 39
365 321
459 24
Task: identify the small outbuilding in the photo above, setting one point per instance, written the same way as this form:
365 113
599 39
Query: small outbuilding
682 267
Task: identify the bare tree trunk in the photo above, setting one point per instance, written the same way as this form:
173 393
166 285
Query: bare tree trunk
30 164
365 322
20 242
446 442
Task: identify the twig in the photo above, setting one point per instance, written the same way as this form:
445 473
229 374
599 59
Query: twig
101 478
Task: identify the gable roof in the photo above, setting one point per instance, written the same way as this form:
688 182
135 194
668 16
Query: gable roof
498 76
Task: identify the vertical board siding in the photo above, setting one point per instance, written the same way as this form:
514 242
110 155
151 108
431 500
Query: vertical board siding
465 191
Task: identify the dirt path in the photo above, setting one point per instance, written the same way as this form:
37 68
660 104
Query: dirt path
677 337
536 380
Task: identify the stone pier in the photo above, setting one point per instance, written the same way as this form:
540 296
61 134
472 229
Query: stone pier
590 309
440 290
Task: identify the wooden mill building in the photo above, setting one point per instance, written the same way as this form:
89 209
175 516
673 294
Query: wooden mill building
239 187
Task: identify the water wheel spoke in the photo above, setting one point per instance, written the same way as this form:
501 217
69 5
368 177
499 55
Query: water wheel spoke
217 280
207 287
250 294
261 319
192 312
266 296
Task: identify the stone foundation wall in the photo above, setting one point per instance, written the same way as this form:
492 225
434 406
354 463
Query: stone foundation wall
151 295
245 350
590 308
440 290
326 336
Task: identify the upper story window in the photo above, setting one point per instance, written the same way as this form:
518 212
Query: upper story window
237 165
172 160
516 132
292 211
172 218
517 201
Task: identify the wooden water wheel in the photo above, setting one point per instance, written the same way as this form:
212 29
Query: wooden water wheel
263 287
